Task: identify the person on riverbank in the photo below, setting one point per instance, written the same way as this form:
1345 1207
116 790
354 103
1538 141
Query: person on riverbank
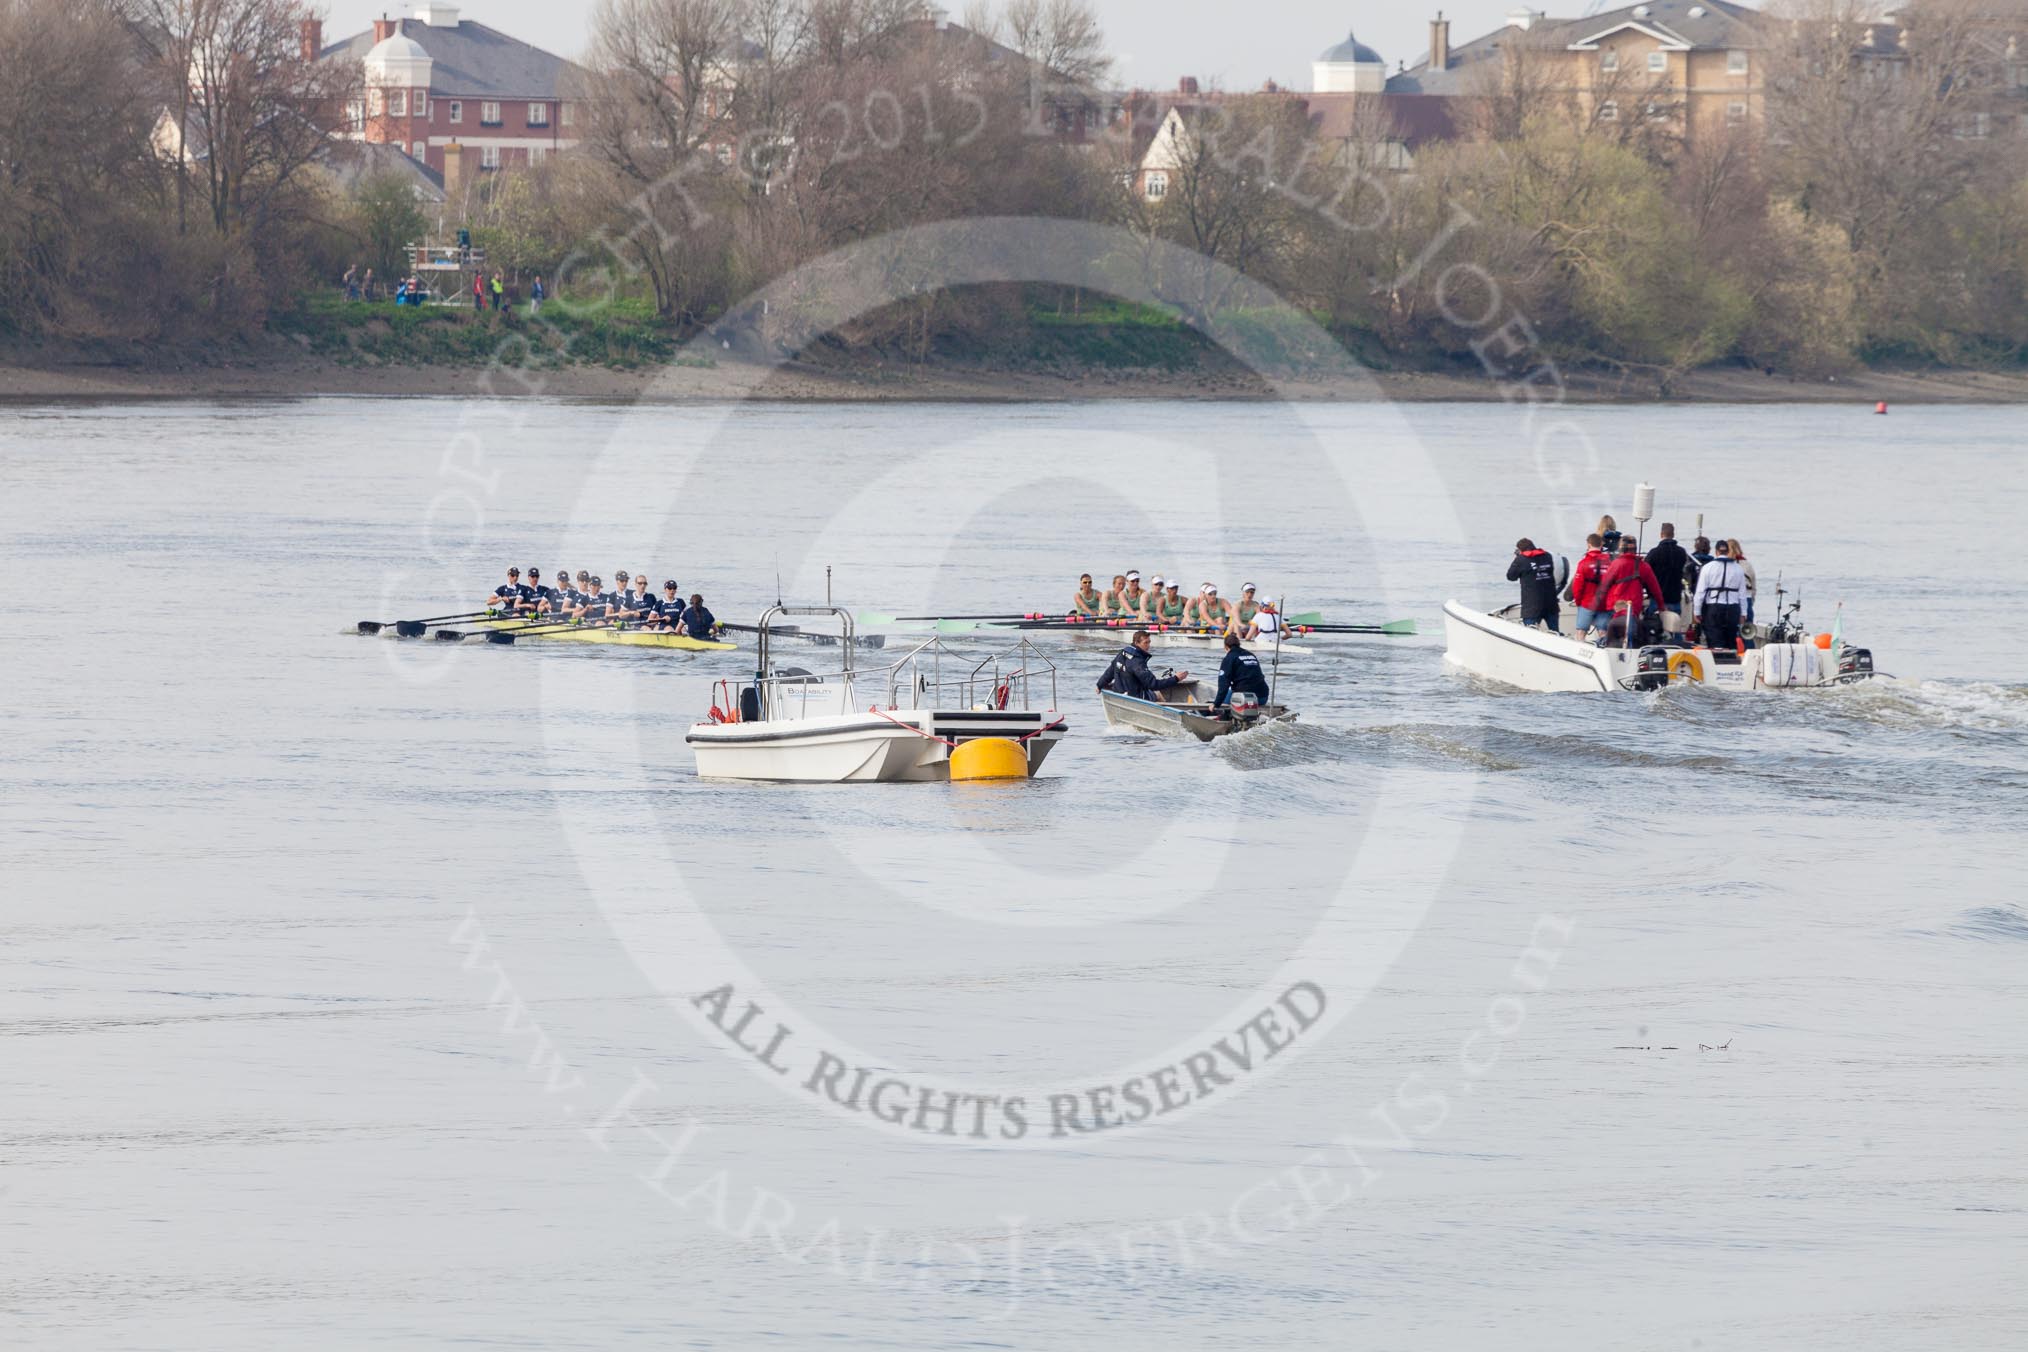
1128 673
536 295
1535 570
1720 599
351 282
478 293
1089 603
1669 560
499 293
1587 586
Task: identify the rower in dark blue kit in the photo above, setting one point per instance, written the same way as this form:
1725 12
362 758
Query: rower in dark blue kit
698 621
506 596
1240 675
1129 674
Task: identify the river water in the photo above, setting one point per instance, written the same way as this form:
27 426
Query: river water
361 992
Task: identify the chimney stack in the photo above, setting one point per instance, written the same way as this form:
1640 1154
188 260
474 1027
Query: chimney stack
1187 85
1440 42
313 38
454 171
384 28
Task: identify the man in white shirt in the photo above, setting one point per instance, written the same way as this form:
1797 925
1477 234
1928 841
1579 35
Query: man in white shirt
1720 599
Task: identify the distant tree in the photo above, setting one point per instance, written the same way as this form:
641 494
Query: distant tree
387 219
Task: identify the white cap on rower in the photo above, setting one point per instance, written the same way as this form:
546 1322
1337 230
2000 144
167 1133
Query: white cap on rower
1207 589
1133 577
1157 582
1249 587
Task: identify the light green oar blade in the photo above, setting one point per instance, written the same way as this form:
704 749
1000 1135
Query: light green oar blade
1307 617
1398 627
958 626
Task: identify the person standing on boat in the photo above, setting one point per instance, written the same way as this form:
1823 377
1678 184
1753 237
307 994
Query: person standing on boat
1535 570
1587 586
1239 674
1089 602
1752 579
1669 560
1628 583
1720 599
1128 673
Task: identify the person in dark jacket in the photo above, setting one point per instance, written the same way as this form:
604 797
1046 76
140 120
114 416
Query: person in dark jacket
1670 561
698 621
1129 674
1240 673
1535 570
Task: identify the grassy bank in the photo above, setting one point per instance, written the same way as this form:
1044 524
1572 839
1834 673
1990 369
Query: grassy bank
623 336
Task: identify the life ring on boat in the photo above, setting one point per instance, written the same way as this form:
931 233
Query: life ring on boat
1686 667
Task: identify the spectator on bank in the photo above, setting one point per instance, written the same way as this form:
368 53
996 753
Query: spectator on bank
499 292
536 295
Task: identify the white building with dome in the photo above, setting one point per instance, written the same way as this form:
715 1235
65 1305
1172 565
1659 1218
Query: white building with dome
1351 67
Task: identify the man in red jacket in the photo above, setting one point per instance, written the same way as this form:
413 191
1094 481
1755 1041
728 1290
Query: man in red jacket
1625 582
1587 587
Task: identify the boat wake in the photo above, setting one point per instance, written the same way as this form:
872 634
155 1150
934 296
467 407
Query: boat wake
1969 706
1985 924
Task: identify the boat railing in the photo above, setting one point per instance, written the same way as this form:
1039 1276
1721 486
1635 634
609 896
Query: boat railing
1000 680
933 675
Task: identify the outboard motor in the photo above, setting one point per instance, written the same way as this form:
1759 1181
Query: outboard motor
1652 672
1855 663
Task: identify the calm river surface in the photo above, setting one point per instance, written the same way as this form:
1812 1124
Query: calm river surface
356 992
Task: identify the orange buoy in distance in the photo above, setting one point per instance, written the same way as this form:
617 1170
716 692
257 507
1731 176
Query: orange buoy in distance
1880 407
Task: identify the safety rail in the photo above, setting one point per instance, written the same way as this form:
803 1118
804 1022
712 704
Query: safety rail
915 680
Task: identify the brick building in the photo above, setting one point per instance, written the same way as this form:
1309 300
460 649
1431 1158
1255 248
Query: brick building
456 95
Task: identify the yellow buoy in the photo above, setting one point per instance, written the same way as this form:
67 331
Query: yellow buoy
988 758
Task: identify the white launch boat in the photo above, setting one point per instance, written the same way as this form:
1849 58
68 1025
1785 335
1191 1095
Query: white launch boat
1498 647
890 724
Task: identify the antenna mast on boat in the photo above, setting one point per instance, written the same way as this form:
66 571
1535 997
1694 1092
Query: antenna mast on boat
1281 609
827 585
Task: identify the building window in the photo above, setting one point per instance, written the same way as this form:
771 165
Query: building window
1658 61
489 114
1609 111
1158 185
1654 112
397 103
537 154
457 113
538 114
1735 63
422 104
1735 111
489 157
567 114
1609 60
355 114
419 151
376 103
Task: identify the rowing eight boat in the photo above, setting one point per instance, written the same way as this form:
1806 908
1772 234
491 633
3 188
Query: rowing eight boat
626 638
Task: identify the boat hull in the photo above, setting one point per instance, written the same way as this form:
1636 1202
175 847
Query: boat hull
903 746
1184 720
621 638
1497 647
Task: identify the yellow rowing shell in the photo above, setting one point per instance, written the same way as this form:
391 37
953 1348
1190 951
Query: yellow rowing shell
625 638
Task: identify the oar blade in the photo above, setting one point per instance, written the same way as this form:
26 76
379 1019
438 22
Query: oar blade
1398 627
410 628
872 619
371 627
1307 617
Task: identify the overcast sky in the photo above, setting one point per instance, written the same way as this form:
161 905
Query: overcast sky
1155 40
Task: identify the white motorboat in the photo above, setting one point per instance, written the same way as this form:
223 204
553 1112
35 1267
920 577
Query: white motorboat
794 726
1498 647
